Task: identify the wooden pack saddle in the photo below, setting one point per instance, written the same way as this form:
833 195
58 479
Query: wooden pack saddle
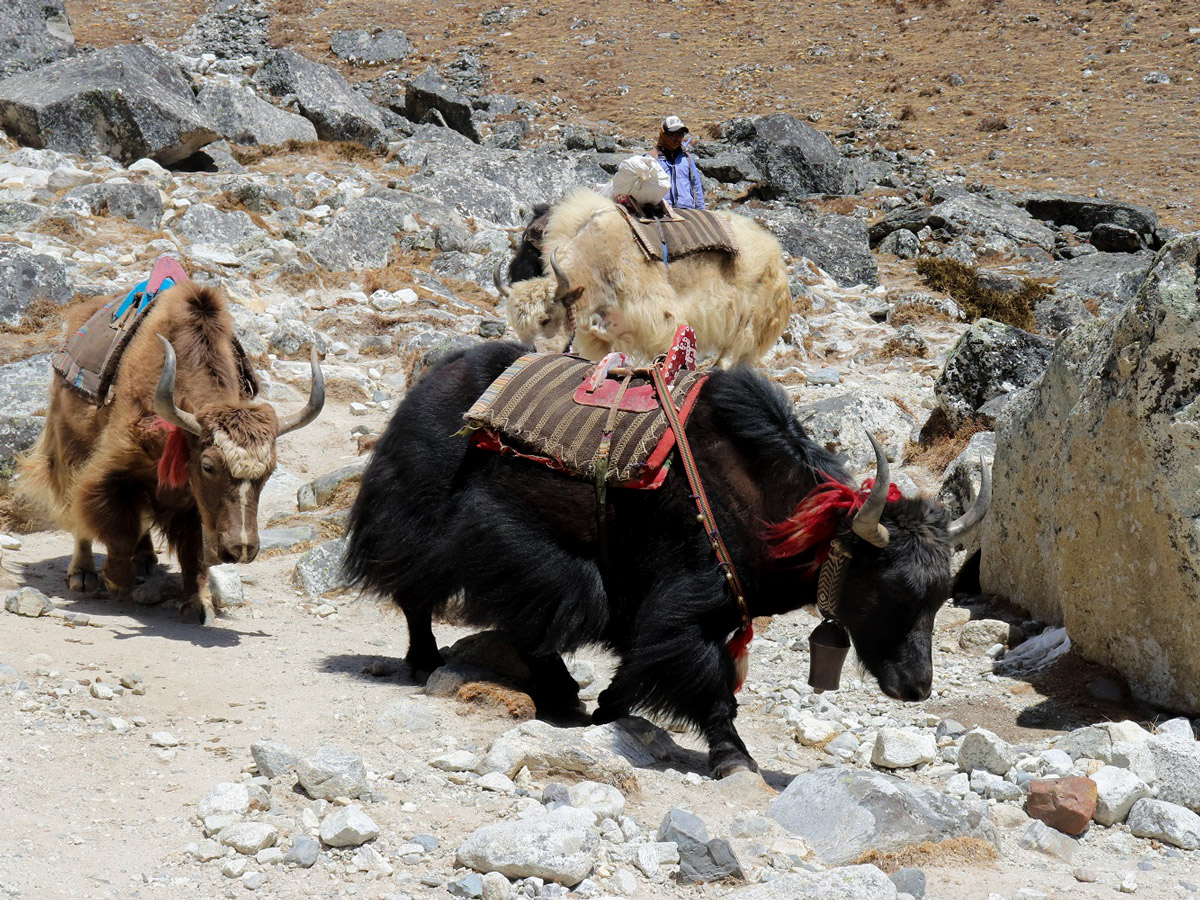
558 410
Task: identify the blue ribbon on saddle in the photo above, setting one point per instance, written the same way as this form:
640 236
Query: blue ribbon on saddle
140 289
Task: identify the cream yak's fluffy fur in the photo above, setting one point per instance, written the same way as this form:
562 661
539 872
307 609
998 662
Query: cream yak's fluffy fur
738 306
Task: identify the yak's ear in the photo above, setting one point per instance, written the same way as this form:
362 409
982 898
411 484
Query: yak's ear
570 297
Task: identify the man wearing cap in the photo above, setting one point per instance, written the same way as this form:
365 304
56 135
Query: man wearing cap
686 190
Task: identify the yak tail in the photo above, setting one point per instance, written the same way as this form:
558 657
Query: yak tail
41 483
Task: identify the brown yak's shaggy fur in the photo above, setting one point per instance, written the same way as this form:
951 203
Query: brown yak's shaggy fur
738 306
95 469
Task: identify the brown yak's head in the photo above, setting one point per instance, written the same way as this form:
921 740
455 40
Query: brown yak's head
540 307
224 454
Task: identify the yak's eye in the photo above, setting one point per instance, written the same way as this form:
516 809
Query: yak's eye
208 466
545 321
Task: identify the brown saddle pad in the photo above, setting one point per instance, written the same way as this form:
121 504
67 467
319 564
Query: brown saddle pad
530 410
88 361
698 230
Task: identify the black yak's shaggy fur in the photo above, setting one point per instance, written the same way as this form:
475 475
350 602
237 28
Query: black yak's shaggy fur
434 518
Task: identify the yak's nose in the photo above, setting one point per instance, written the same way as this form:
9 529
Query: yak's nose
239 553
909 693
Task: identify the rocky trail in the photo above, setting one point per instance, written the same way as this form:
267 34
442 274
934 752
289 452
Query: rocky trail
348 199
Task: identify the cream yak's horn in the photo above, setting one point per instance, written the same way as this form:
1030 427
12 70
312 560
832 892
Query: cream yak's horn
866 521
164 395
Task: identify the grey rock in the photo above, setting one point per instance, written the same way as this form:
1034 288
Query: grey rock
28 601
901 243
982 749
558 846
126 102
17 215
1117 789
225 582
726 164
911 218
324 98
331 773
319 571
983 217
902 748
291 338
1165 821
990 360
604 800
430 91
1111 278
141 204
23 393
27 275
910 881
274 759
795 159
471 886
361 235
348 827
844 813
1085 213
370 47
230 29
845 883
841 424
700 859
227 798
1115 239
32 34
242 117
1041 837
838 244
319 491
287 539
205 224
1177 760
869 173
248 838
304 852
1109 413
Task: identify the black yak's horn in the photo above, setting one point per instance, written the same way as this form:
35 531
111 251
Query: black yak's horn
564 283
975 513
499 282
316 400
866 520
164 395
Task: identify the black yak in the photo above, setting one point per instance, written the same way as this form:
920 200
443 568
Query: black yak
436 517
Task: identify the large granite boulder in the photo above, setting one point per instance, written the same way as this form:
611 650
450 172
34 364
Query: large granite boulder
24 392
1094 521
245 118
33 33
840 423
141 204
230 29
1085 213
795 159
987 218
27 275
844 813
371 47
323 97
1110 278
988 363
126 102
430 91
838 244
362 234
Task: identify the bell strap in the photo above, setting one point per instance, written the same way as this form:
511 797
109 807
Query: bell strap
705 516
829 582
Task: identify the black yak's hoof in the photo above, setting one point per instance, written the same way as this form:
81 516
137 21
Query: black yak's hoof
730 761
423 665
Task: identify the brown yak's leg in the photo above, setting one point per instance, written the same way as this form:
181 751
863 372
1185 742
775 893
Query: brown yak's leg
196 603
144 558
81 573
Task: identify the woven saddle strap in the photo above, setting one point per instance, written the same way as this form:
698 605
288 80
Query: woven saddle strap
705 516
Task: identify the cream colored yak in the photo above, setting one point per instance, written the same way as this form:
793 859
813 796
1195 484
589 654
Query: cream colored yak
598 279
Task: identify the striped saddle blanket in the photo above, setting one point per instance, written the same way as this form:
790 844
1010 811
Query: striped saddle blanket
554 409
690 231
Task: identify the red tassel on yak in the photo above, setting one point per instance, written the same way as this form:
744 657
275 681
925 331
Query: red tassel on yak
739 650
815 520
173 464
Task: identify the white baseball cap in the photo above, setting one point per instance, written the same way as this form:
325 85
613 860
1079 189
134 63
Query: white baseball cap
672 124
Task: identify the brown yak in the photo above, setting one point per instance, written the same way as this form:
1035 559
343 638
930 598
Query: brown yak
188 457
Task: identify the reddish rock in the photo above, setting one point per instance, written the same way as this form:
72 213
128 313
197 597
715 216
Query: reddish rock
1065 804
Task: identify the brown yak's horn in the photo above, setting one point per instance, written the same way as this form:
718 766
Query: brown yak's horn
316 400
977 510
499 282
866 520
564 283
164 395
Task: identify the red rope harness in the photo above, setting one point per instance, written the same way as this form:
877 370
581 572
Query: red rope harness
815 521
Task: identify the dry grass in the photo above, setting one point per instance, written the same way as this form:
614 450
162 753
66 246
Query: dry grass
961 282
18 515
939 445
916 313
491 696
992 123
959 851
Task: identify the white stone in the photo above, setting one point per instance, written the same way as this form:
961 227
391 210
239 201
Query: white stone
227 798
496 887
624 882
813 732
249 837
235 867
101 691
1178 727
1177 764
981 749
1055 763
225 583
457 761
10 542
1116 791
902 748
270 856
1166 822
498 782
368 859
604 800
558 845
348 827
163 739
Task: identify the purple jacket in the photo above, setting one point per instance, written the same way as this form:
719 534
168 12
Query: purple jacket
686 190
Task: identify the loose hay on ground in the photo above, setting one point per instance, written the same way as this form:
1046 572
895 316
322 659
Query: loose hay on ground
953 852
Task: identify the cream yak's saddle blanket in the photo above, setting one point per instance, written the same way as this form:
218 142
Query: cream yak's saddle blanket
559 410
685 232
